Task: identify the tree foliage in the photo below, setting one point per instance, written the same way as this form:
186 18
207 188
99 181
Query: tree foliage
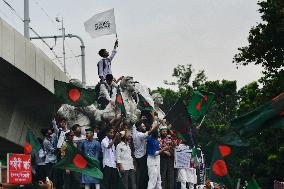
265 48
264 156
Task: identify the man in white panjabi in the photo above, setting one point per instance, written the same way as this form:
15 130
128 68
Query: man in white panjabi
186 175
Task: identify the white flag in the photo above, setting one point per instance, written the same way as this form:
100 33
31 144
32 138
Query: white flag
101 24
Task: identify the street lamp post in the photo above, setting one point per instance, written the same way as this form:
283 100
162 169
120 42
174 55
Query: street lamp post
26 19
63 39
82 51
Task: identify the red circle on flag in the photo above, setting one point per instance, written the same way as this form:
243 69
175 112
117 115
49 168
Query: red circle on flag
28 148
74 94
146 104
225 150
119 99
220 168
79 161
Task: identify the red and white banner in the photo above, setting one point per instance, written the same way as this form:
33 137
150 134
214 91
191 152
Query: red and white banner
19 169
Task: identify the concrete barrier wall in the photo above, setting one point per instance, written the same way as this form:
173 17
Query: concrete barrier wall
25 56
17 115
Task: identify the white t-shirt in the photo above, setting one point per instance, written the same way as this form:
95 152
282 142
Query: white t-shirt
109 154
123 156
139 140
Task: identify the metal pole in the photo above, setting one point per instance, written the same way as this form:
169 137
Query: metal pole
63 39
82 57
26 19
238 184
83 65
82 52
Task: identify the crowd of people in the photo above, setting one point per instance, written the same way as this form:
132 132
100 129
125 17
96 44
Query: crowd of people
139 155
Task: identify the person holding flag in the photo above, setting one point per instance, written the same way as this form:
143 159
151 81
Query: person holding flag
99 25
104 65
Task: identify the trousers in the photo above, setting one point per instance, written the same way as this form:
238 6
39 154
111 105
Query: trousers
153 163
142 172
167 172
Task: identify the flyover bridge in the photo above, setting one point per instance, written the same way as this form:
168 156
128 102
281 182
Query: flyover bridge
26 88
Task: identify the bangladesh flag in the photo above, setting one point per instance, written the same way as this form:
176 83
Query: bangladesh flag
119 103
199 104
269 115
232 139
32 145
75 160
252 184
180 121
143 104
68 93
218 169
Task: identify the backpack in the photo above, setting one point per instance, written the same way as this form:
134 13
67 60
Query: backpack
98 88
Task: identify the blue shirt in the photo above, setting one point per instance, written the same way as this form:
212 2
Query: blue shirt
153 145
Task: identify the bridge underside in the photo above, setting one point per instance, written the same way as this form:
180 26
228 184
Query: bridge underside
24 104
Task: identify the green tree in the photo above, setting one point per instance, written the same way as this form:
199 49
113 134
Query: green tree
266 46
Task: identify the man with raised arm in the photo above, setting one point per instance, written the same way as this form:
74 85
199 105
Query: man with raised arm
104 65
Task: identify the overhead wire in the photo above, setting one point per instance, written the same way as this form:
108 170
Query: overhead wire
54 24
50 48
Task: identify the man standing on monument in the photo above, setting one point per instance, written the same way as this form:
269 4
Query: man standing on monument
104 65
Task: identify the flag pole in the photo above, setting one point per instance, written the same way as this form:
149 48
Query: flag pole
116 39
201 122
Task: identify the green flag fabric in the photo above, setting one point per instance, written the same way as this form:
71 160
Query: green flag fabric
32 145
75 160
143 104
199 104
218 169
119 103
68 93
232 139
180 121
269 115
252 184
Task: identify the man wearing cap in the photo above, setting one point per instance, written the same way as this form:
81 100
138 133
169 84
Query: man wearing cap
90 148
167 159
125 162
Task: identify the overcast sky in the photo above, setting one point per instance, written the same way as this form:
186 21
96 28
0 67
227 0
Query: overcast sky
154 35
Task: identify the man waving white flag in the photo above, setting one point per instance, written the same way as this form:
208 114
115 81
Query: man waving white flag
101 24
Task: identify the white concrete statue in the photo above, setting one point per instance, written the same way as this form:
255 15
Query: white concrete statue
158 101
127 89
83 115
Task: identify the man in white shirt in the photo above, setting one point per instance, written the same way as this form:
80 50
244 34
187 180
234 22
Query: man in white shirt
104 65
78 138
139 139
59 130
111 177
125 162
108 91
